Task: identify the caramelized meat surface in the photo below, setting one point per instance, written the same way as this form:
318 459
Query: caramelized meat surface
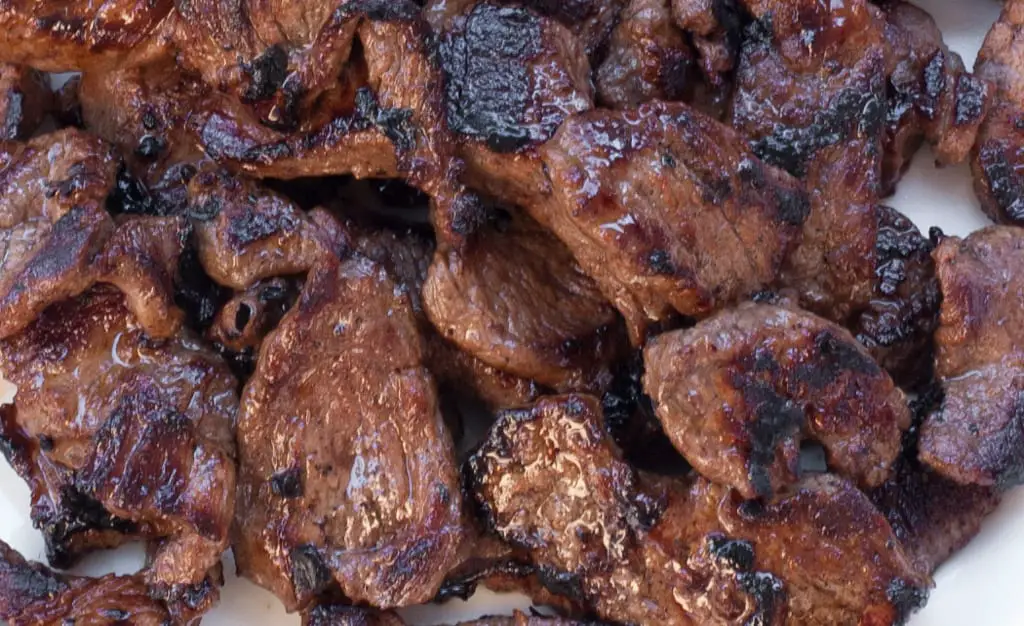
648 58
667 210
330 494
998 155
25 99
120 435
685 553
340 615
739 392
975 437
516 300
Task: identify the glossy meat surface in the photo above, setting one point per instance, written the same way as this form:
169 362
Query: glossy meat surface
331 492
667 210
739 392
122 436
975 437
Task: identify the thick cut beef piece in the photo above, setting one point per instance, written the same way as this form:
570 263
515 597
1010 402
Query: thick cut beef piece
25 99
977 435
667 210
998 155
682 552
648 58
122 436
82 34
516 299
59 239
512 77
347 473
932 96
739 392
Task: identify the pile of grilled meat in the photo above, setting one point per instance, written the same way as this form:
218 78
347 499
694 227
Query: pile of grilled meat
268 265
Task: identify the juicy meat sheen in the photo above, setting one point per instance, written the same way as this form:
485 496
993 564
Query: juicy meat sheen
739 392
331 494
686 552
667 210
120 435
25 99
977 435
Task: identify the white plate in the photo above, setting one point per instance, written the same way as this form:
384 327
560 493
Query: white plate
977 586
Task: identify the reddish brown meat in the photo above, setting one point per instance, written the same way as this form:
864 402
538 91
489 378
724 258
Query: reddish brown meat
122 436
340 615
998 154
977 437
25 99
739 392
551 483
667 210
329 490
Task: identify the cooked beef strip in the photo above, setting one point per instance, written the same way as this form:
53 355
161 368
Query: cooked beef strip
76 35
120 435
977 437
648 58
667 210
329 494
931 96
998 155
59 239
820 112
688 551
515 299
738 394
25 99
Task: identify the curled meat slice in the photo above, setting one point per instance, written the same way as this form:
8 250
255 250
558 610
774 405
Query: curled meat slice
246 319
998 155
516 300
667 210
347 473
59 239
686 552
976 436
738 393
120 435
648 58
25 99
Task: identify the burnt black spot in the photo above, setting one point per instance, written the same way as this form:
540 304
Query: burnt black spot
46 443
73 513
934 84
463 586
25 585
660 262
149 120
835 356
668 160
195 292
906 598
971 96
150 147
12 121
776 419
396 124
287 483
130 196
310 574
252 226
768 592
561 583
793 205
1005 184
733 553
205 210
266 72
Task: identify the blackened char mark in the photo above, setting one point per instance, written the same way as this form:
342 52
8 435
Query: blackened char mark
396 124
310 574
266 73
999 159
906 598
971 97
776 419
195 292
72 514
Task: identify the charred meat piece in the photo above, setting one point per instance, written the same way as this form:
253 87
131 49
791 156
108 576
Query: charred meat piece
245 232
667 210
515 299
738 393
330 495
33 594
82 34
25 99
976 437
122 436
686 552
932 96
512 77
998 155
648 58
59 239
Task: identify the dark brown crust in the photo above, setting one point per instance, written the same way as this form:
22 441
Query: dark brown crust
25 99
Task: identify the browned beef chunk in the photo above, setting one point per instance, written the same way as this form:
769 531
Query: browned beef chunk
330 493
977 435
120 435
739 392
516 300
667 210
932 96
683 552
82 34
648 58
25 99
341 615
998 154
59 239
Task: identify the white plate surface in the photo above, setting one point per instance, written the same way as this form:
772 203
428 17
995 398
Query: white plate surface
977 586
